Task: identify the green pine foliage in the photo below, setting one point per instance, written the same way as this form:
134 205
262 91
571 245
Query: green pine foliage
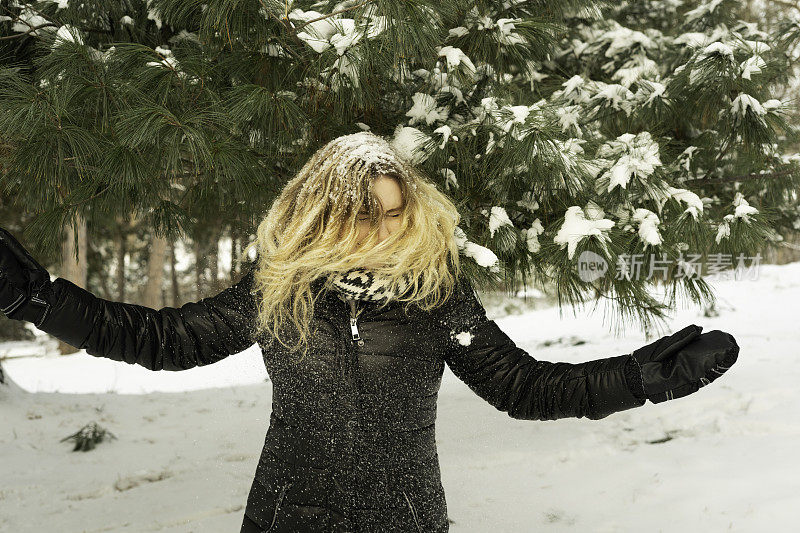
558 128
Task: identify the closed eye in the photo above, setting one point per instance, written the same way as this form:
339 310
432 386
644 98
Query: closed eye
364 219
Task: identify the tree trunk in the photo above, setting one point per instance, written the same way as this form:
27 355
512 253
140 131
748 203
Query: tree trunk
73 268
153 294
122 251
199 263
213 258
234 257
105 291
173 274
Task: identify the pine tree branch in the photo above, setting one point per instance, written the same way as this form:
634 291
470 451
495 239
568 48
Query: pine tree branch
97 30
323 17
729 179
16 17
41 14
31 30
92 197
289 28
47 24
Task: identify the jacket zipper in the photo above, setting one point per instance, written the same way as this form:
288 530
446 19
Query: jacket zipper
351 360
413 511
353 326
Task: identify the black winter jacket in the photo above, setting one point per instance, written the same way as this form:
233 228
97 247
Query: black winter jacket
351 441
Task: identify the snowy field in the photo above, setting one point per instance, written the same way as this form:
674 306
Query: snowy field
188 443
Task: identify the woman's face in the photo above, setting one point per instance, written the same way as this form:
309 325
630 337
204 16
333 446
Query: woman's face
390 196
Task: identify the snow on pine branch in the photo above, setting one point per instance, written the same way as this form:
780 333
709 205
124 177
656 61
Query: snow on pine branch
742 211
482 255
633 155
580 224
337 32
498 217
648 226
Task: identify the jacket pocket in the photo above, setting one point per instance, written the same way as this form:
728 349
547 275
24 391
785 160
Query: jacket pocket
413 511
278 502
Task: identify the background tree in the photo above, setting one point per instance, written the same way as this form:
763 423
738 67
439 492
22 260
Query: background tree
556 127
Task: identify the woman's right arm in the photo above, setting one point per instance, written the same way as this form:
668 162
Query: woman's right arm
510 379
170 338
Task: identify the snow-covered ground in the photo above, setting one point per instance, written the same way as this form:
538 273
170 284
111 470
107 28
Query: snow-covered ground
188 442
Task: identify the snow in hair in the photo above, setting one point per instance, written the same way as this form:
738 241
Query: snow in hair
359 156
366 148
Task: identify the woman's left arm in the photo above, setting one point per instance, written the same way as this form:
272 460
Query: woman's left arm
494 367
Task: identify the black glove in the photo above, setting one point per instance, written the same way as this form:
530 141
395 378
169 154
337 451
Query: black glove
682 363
25 286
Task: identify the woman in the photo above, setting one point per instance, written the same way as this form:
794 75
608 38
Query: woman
357 302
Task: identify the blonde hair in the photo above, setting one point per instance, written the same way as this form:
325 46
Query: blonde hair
310 231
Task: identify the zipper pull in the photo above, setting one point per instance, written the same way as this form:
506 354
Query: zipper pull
354 329
353 326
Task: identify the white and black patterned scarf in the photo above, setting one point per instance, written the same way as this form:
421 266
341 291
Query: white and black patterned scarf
364 284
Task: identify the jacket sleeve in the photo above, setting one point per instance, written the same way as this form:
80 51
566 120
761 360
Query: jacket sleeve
196 334
481 355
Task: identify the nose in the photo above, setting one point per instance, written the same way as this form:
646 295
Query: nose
383 231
